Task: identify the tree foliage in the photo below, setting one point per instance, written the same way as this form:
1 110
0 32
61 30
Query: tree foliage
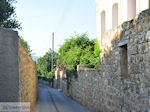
44 66
26 46
79 50
7 15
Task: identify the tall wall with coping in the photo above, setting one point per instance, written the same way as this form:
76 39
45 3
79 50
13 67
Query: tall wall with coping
115 88
9 68
18 81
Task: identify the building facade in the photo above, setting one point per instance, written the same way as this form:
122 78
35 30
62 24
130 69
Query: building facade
111 13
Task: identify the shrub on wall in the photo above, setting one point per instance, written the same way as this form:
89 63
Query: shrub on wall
25 45
79 50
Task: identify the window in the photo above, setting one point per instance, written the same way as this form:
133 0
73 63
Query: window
131 9
124 61
103 23
115 15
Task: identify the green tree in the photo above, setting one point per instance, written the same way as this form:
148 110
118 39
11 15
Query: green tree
7 15
44 66
79 50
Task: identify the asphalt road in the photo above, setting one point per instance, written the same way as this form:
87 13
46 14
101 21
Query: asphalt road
52 100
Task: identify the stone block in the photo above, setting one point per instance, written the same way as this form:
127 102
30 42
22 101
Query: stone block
148 35
133 49
139 28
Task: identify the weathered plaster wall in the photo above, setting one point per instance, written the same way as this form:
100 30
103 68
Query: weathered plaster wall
28 77
110 90
9 69
59 76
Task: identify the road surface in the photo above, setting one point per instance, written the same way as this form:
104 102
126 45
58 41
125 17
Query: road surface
52 100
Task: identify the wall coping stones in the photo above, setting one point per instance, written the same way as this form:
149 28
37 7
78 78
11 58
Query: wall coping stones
123 43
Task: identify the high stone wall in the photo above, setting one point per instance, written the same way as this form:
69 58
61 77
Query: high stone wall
123 82
28 77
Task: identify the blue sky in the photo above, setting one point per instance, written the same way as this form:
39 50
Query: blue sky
39 18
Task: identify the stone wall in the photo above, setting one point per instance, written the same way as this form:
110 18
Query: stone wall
18 81
28 77
86 89
123 82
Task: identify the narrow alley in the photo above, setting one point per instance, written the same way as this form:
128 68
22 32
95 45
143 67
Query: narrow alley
52 100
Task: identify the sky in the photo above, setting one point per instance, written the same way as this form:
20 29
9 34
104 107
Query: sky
39 18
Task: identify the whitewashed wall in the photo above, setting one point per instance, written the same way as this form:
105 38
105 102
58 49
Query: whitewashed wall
127 9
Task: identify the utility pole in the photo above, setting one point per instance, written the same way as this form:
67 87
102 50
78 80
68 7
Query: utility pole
52 55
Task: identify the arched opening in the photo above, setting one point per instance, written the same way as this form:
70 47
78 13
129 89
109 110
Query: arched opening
103 23
115 15
131 9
